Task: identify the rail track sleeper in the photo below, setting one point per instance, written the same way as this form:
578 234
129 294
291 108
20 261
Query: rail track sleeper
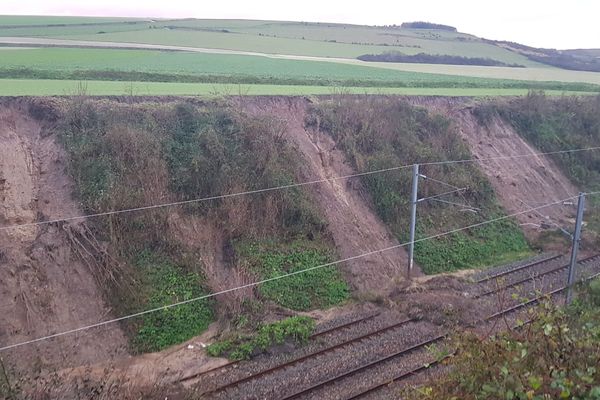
315 335
364 367
400 377
522 267
308 356
537 276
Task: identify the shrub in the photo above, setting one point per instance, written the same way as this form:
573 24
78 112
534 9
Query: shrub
555 357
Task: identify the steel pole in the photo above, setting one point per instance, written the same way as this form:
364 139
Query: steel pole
413 217
575 248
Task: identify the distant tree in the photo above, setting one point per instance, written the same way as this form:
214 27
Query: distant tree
427 25
423 58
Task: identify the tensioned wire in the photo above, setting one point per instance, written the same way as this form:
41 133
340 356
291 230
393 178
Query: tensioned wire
289 186
253 284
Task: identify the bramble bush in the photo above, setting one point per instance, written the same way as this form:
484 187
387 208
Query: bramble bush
557 356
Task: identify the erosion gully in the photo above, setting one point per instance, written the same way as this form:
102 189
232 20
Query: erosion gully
368 356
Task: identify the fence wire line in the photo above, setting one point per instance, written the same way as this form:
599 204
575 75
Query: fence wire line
253 284
292 185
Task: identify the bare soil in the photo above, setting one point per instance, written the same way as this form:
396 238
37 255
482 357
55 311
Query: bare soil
44 288
355 227
519 183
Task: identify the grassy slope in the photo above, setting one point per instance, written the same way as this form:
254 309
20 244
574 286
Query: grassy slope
320 39
70 59
121 155
16 20
51 87
379 133
283 37
350 41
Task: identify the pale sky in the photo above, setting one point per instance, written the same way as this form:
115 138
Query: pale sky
541 23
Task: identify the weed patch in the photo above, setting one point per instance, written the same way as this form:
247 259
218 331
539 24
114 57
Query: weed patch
296 329
166 284
317 288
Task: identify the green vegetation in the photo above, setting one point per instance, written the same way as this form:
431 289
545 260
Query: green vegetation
44 87
279 37
554 357
168 284
553 124
318 288
163 66
380 133
242 347
337 44
129 155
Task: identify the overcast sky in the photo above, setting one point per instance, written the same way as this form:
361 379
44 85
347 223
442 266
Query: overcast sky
541 23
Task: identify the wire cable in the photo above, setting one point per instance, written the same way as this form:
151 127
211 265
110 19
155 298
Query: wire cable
471 208
437 181
293 185
253 284
435 196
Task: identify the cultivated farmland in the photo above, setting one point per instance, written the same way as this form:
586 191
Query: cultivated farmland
302 55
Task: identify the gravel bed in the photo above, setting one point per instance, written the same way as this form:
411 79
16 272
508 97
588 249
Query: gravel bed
509 267
343 319
394 390
380 373
531 288
518 275
285 382
282 355
291 379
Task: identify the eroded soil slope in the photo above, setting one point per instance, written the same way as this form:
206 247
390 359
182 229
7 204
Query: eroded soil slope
520 183
44 289
355 227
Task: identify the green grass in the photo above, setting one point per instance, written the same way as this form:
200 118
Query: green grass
494 244
337 43
311 39
185 67
296 328
51 87
318 288
166 284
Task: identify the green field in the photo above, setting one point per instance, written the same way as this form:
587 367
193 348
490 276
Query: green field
273 37
51 87
163 66
313 56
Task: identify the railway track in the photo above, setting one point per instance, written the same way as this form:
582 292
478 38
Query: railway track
421 368
318 387
552 272
315 335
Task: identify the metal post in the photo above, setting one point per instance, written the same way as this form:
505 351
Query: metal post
576 238
413 217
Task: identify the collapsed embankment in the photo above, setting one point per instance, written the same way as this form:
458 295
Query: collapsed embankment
65 157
